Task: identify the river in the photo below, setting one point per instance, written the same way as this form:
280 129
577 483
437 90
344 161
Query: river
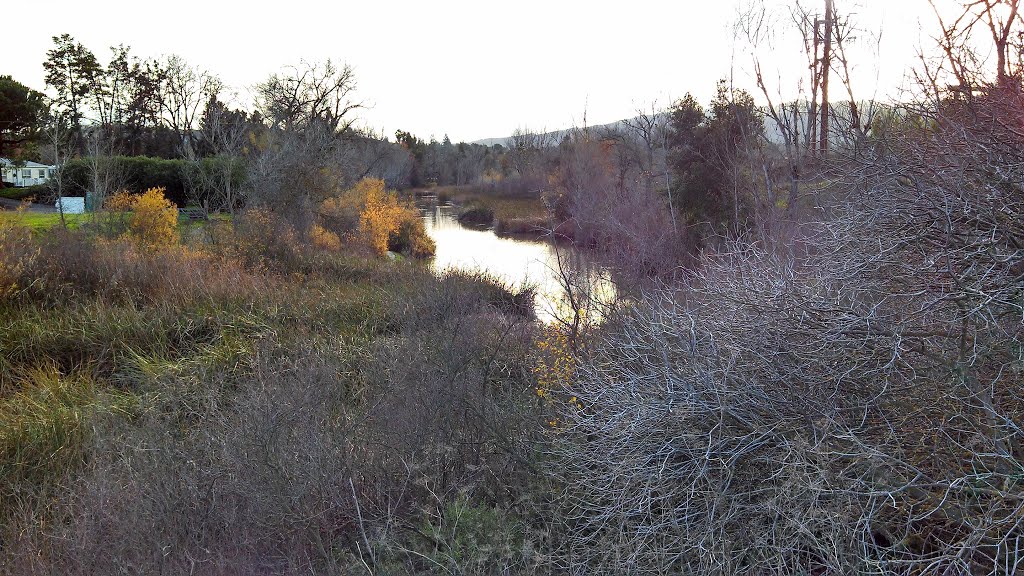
517 262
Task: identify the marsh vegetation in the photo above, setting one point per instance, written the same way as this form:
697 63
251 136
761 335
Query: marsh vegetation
747 337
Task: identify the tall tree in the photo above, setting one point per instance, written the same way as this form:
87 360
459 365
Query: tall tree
1002 20
141 116
21 114
111 93
312 93
215 180
708 149
73 72
184 91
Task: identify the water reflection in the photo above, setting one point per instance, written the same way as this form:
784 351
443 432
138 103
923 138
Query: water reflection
520 263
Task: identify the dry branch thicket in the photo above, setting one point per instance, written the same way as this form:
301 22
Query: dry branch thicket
849 405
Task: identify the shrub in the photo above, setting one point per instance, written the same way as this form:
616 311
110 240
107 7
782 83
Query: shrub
849 408
381 214
154 220
373 216
324 239
472 539
556 362
258 237
40 192
70 266
121 201
479 215
411 238
340 214
138 172
115 217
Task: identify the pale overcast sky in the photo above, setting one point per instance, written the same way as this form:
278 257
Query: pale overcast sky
471 69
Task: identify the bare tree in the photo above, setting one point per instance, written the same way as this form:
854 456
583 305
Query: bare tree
184 91
106 175
650 128
59 134
525 150
215 181
312 92
307 152
802 126
964 55
376 157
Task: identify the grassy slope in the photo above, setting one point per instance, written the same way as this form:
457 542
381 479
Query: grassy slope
107 353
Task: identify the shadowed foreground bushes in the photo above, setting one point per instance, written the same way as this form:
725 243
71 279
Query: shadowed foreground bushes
851 408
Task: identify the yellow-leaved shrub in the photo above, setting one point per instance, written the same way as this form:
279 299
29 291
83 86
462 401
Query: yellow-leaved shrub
121 201
324 239
154 219
371 215
554 369
381 215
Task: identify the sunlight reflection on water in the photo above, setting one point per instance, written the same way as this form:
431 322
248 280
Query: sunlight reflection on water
515 262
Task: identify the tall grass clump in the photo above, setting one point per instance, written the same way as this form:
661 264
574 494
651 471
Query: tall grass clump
18 254
327 454
46 422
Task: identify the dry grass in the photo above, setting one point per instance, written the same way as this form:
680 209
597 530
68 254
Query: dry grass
248 404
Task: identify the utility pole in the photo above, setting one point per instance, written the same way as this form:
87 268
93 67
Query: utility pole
812 121
826 65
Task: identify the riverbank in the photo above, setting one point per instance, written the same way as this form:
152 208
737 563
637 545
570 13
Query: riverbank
522 215
521 261
252 405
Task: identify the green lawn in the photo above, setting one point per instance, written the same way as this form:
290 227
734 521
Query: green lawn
40 221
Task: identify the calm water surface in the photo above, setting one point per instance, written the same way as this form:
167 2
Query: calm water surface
513 261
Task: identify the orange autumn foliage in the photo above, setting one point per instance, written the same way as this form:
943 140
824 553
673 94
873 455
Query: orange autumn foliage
370 214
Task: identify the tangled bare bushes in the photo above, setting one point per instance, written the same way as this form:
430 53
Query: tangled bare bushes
853 409
607 203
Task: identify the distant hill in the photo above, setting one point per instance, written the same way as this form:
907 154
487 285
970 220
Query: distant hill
554 136
840 115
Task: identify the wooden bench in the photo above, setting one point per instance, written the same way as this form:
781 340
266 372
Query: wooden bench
193 213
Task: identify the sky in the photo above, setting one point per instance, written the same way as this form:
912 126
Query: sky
475 69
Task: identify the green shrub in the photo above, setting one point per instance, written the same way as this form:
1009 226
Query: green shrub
40 192
468 538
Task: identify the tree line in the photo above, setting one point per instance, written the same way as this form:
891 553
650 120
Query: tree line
661 184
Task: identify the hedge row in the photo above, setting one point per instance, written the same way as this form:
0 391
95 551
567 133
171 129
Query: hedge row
139 173
39 192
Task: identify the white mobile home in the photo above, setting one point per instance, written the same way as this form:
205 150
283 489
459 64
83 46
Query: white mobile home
25 173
